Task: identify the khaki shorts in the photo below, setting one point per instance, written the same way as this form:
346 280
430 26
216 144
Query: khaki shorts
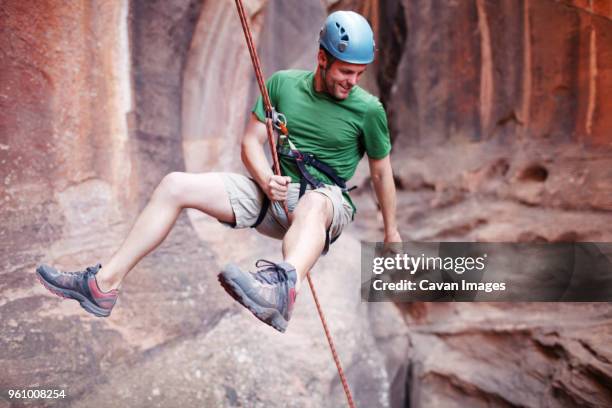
247 198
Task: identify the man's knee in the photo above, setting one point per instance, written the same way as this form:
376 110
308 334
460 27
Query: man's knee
315 205
173 186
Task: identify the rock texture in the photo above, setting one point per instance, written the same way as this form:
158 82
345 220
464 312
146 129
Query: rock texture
493 106
64 96
498 112
175 337
506 362
479 70
64 172
500 134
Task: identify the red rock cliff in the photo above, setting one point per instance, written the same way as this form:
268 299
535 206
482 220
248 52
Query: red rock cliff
498 114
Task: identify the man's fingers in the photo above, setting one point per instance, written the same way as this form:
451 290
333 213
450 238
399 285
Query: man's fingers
278 187
279 184
278 195
277 179
282 180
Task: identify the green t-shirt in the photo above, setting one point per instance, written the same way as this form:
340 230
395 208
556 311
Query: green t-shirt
337 132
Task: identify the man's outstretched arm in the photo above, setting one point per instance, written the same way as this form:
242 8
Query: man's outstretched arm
384 186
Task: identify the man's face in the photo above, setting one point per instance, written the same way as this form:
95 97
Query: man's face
340 76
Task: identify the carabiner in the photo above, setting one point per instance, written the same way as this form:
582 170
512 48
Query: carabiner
279 121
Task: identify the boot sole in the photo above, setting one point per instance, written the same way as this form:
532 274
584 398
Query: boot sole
267 315
71 294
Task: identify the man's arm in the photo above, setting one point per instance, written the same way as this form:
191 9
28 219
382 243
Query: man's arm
254 158
382 178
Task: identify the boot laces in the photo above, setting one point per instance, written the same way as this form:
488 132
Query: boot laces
269 272
89 270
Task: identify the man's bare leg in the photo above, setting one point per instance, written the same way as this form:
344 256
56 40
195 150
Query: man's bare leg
305 239
270 294
204 191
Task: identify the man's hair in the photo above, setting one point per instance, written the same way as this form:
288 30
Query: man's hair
330 58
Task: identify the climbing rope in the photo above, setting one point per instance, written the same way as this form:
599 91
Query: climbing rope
270 115
262 85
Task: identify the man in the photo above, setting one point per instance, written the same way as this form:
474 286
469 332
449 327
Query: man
331 121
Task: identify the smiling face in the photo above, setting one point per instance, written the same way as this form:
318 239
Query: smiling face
337 78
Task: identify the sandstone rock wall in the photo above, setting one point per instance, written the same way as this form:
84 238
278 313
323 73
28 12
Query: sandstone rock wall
501 105
498 117
175 337
505 70
66 175
65 95
214 114
498 110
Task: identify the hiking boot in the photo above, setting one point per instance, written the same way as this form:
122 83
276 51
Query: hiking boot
81 286
268 293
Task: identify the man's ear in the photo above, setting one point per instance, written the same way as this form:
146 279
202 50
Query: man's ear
322 59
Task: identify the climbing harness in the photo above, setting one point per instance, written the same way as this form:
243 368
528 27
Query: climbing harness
271 119
302 159
286 148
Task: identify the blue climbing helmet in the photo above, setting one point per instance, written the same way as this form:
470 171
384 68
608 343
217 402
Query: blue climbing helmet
348 37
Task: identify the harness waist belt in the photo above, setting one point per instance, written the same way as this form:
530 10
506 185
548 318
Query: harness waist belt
301 160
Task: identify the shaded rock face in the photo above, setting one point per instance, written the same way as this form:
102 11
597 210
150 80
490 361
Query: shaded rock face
498 114
159 57
505 70
497 111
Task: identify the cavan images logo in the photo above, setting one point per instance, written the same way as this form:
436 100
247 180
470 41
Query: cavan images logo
476 271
